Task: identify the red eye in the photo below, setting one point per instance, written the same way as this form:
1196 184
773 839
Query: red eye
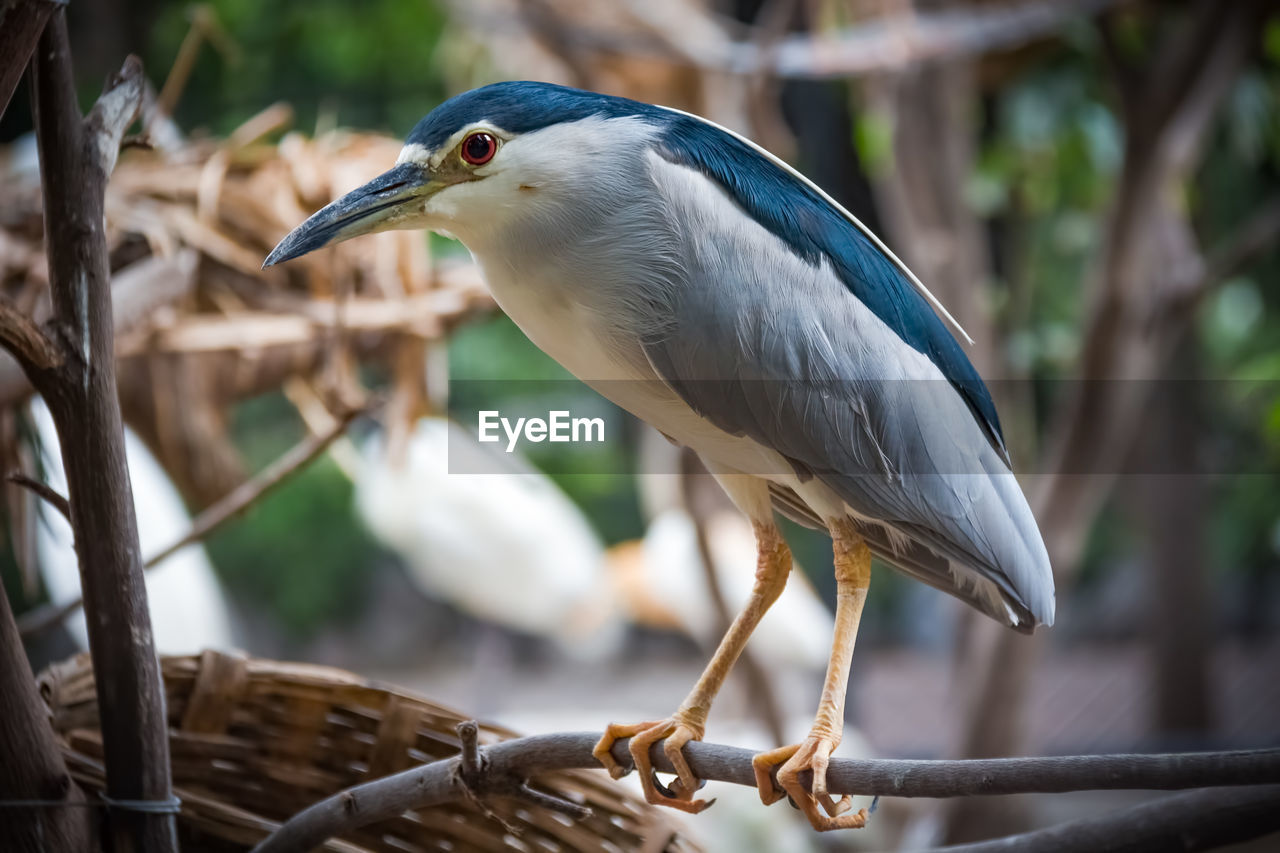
479 148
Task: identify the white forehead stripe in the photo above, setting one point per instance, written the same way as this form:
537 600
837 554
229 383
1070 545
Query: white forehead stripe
413 152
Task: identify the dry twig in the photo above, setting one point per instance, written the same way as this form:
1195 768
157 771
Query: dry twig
43 491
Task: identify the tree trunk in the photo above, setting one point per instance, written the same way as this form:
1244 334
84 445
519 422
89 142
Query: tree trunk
1172 507
31 764
76 157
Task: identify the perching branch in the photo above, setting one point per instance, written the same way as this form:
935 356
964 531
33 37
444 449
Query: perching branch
514 761
1196 820
232 505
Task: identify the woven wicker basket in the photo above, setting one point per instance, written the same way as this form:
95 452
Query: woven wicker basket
254 741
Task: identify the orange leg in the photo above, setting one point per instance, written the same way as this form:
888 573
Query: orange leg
853 575
689 720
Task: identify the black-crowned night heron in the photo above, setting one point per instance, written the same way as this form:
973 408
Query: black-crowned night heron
700 283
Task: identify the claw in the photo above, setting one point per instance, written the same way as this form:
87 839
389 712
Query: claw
663 789
813 754
643 735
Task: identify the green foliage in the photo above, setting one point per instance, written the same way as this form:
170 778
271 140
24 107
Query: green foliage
873 140
370 63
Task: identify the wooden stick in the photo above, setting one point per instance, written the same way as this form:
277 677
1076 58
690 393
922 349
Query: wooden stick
21 22
43 491
76 157
1197 820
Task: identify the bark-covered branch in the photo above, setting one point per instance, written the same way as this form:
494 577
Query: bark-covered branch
885 43
1259 233
25 340
21 22
509 763
43 491
76 156
31 762
916 38
1196 820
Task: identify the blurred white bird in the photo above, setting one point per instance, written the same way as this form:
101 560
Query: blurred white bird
490 534
189 612
663 584
494 537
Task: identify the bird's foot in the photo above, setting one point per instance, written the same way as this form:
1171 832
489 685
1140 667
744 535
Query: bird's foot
677 732
811 755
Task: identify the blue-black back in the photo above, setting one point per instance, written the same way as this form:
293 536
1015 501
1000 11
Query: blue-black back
774 197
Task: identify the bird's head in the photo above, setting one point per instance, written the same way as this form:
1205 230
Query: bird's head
476 161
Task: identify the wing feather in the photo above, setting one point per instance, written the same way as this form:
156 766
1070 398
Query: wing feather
810 372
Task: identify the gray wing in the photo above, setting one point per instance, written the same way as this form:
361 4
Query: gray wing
766 346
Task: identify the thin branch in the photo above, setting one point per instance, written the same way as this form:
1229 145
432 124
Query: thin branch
232 505
43 491
891 43
1123 72
477 782
1258 234
921 37
1196 820
441 781
20 335
260 485
1248 241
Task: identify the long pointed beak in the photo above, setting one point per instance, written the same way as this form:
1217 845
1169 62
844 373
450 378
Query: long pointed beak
379 205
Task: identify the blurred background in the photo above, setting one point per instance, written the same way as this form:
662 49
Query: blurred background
1091 187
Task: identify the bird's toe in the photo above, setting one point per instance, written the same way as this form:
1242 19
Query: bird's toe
603 750
810 757
679 794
